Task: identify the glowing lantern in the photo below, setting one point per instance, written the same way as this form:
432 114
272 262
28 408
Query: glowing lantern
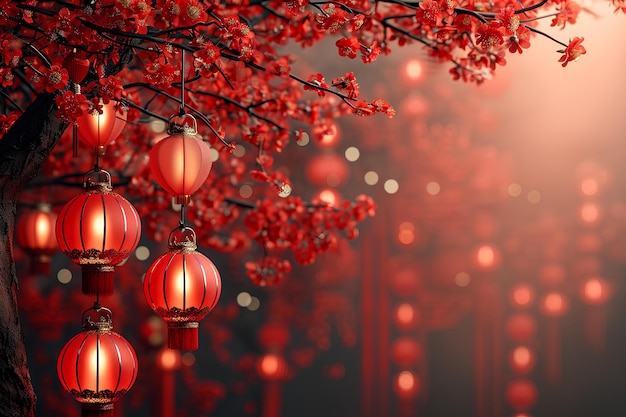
406 384
181 162
521 394
97 366
35 235
272 367
98 130
98 230
406 351
595 291
554 304
182 287
521 327
327 169
522 359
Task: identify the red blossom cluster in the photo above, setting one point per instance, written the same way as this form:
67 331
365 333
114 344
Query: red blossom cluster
240 85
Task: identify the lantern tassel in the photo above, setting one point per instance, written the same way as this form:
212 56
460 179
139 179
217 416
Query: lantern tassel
182 336
97 410
97 279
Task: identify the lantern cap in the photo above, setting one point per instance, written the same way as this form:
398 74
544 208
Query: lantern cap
178 125
183 238
98 318
98 180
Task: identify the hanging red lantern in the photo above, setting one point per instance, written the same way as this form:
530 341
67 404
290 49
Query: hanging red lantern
182 161
77 67
182 287
97 366
98 130
35 235
98 230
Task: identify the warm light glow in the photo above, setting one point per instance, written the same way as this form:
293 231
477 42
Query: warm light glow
595 291
391 186
329 197
534 197
270 364
522 295
462 279
142 253
486 256
414 69
352 154
239 151
43 228
169 359
64 276
522 359
554 304
405 314
245 191
589 186
244 299
406 233
330 137
406 381
188 359
96 364
371 178
406 384
94 232
433 188
254 305
589 212
514 190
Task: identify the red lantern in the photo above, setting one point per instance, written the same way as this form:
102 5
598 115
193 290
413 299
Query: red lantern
182 287
272 367
406 384
98 230
77 67
181 162
98 130
327 169
35 235
406 351
521 394
97 366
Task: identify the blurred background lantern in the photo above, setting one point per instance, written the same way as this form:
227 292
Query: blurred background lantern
35 235
98 230
97 366
182 287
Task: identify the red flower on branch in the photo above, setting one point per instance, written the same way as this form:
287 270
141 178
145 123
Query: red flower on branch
348 47
318 80
54 78
573 51
489 35
70 106
347 83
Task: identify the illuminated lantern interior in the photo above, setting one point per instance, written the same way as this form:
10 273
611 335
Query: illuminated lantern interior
182 287
181 162
35 235
98 230
97 366
99 130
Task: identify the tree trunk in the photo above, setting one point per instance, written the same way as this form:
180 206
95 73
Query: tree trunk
23 150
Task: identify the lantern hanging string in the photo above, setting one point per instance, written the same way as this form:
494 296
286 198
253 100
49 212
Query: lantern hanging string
182 114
